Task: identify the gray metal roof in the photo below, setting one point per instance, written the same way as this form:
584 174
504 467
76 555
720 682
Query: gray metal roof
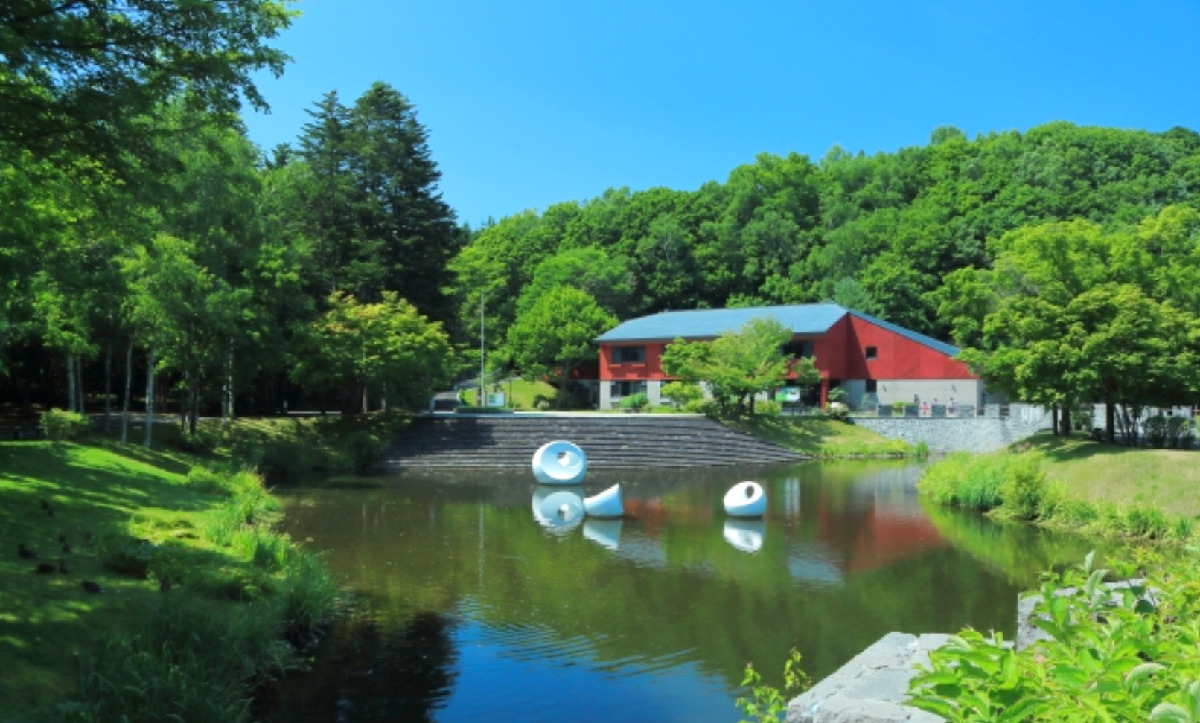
803 319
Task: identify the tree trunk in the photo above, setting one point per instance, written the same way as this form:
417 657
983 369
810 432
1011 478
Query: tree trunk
128 390
1054 418
1110 422
79 387
108 385
227 398
70 382
150 361
1066 421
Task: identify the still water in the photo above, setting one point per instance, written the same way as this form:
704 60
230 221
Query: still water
473 610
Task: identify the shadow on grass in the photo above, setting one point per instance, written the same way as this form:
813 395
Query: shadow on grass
48 621
1064 449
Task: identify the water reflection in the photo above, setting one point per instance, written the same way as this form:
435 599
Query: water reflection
557 510
604 532
745 535
648 617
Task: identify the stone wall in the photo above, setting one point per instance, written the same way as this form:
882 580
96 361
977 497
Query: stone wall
959 434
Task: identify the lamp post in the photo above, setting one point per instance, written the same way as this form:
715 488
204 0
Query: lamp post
482 398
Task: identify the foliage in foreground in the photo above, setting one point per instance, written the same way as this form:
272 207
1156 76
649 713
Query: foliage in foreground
766 702
1121 654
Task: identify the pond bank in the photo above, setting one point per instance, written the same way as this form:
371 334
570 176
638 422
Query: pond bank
170 594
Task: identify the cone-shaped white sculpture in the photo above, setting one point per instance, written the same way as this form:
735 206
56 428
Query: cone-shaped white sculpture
559 463
605 504
746 499
745 535
558 510
606 533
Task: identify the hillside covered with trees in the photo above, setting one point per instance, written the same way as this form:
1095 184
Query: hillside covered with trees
144 236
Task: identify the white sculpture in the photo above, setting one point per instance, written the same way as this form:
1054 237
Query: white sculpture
745 535
746 499
557 510
559 463
605 504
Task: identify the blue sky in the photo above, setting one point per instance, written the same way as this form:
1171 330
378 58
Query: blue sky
531 103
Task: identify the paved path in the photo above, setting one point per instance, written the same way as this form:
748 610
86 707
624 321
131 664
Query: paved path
871 687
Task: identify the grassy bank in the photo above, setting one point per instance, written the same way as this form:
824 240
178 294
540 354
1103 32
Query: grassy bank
1078 484
174 596
823 438
1123 656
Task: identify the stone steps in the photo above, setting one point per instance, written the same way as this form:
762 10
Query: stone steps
610 441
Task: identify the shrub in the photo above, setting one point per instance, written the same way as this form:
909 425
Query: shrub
1123 653
707 407
768 408
60 425
963 480
682 394
1155 430
1023 489
635 402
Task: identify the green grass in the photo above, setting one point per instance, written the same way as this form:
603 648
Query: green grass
1099 474
1077 484
522 394
823 438
139 511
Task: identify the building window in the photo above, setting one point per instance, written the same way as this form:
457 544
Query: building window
872 353
629 354
624 389
799 348
871 384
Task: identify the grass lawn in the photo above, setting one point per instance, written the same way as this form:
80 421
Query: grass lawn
823 438
1099 473
99 493
520 392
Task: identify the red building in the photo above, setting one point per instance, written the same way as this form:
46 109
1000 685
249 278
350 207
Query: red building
855 351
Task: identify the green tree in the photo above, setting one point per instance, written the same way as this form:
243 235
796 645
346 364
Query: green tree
556 334
385 348
739 365
79 75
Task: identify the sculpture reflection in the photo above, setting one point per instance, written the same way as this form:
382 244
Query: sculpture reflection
745 535
606 533
557 510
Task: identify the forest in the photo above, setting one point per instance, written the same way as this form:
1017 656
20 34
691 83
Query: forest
145 237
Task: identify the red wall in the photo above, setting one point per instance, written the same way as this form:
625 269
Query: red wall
840 354
649 369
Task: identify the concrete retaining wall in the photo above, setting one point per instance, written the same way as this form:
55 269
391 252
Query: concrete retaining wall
952 434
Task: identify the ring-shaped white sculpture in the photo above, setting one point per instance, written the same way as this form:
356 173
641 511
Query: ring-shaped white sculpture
746 499
558 510
606 504
559 463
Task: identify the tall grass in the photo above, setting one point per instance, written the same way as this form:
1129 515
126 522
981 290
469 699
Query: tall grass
1014 485
190 660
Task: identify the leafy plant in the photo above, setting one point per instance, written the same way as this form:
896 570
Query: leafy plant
60 425
1119 652
766 702
635 402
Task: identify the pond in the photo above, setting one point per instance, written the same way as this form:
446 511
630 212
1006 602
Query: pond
473 610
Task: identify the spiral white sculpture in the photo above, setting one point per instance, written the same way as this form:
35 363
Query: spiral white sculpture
746 499
605 504
559 463
605 533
